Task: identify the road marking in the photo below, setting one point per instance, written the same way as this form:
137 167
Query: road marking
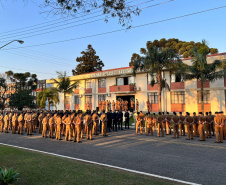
102 164
109 142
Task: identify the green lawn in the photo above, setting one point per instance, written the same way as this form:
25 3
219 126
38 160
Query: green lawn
42 169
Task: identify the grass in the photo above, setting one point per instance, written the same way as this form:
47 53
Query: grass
36 168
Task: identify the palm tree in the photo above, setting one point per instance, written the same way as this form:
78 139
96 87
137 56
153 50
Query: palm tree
201 70
48 94
64 85
154 61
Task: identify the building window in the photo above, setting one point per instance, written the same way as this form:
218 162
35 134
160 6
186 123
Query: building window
119 81
175 78
150 78
76 99
178 97
88 99
101 82
131 80
206 97
101 97
153 98
88 84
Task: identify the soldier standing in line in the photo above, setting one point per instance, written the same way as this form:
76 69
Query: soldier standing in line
64 126
126 105
212 122
201 127
14 123
108 105
51 126
34 122
1 122
181 126
10 120
168 124
142 117
189 120
21 123
104 105
148 121
95 122
29 123
40 118
175 121
195 124
6 122
160 119
126 115
103 118
115 120
120 120
218 128
81 125
132 105
25 121
137 105
67 123
109 118
72 125
164 121
138 123
58 123
122 105
154 121
44 126
88 120
208 125
113 106
77 121
100 105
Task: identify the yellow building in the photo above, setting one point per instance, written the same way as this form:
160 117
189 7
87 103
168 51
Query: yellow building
119 83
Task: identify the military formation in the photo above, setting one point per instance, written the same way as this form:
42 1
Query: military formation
74 124
203 126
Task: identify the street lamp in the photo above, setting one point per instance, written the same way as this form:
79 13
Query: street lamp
20 41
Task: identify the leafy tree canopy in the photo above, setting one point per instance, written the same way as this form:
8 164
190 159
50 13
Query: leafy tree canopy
183 48
88 62
122 9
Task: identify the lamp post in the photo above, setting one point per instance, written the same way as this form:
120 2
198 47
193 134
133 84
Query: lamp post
20 41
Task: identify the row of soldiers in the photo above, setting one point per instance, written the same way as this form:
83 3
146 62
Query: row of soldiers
194 126
119 105
68 124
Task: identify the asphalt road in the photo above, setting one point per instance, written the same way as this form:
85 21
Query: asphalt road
187 160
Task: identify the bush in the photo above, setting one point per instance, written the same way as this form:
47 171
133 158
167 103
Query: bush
7 177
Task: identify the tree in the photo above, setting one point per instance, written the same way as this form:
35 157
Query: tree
134 58
156 59
64 85
3 95
201 70
109 8
23 84
48 94
88 62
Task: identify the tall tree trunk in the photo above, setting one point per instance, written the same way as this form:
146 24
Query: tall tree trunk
202 97
48 104
160 91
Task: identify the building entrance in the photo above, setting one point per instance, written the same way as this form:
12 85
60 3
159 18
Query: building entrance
126 98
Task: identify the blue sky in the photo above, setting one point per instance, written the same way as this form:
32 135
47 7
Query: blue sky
114 49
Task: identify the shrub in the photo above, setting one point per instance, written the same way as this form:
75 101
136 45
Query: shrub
7 177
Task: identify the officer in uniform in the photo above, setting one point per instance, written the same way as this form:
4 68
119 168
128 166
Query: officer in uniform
58 122
21 123
109 118
195 124
148 105
142 117
29 123
95 119
44 126
126 105
201 127
104 105
126 115
108 105
181 126
14 123
168 124
67 123
189 120
212 122
113 106
137 105
77 121
115 120
88 120
103 118
218 128
6 122
148 121
40 118
154 121
120 117
51 126
208 125
175 120
132 105
138 123
1 122
160 119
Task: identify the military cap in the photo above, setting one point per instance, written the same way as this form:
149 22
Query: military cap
216 112
207 113
210 112
194 112
200 112
180 112
167 113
